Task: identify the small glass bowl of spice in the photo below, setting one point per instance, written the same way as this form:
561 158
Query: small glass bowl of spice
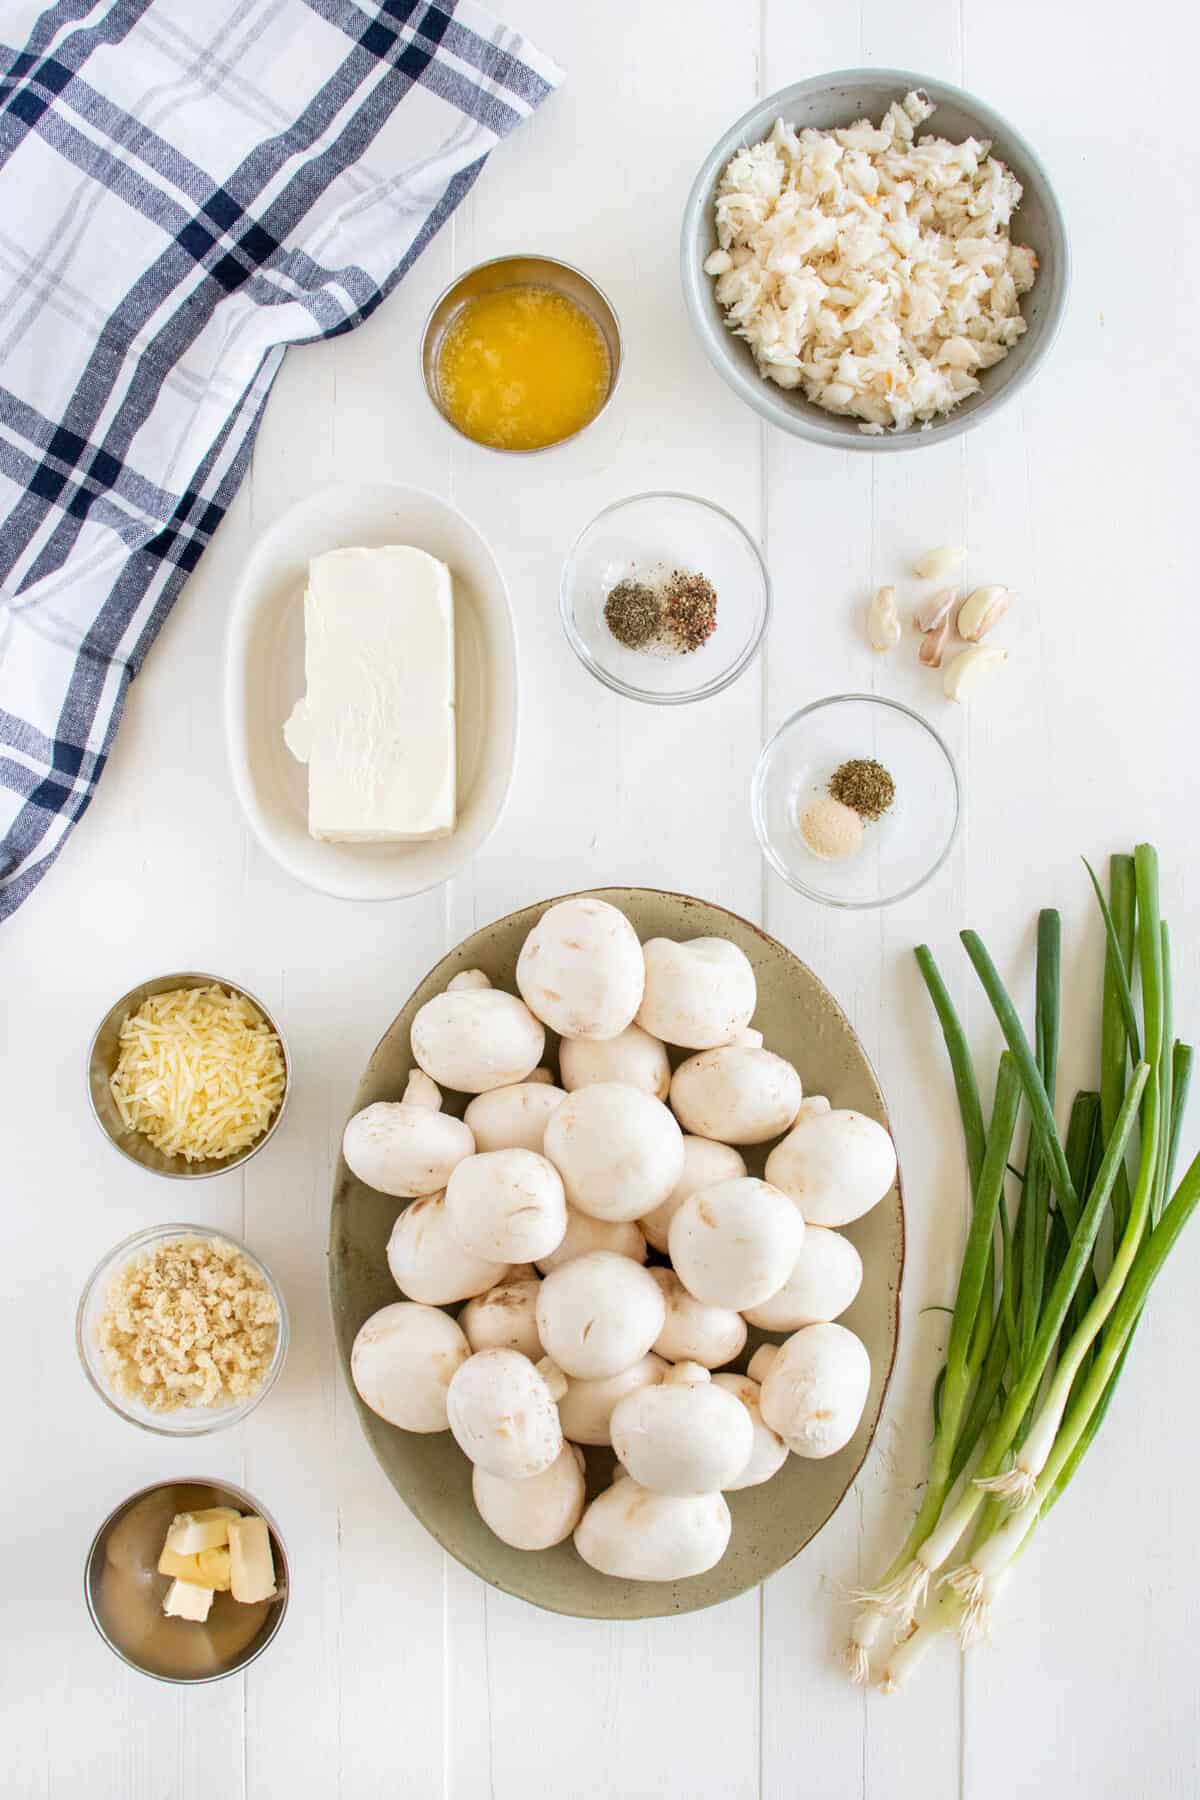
856 801
664 598
182 1330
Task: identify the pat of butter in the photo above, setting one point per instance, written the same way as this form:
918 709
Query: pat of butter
251 1568
205 1530
185 1600
213 1569
181 1568
377 726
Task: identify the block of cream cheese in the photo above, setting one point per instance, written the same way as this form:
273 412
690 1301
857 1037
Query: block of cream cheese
376 726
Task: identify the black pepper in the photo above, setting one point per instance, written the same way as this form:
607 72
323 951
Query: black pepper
690 609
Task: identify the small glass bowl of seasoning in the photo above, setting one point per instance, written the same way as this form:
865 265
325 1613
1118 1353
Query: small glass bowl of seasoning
856 801
665 598
182 1330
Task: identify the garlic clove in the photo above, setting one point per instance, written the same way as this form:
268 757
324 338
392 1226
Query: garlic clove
883 621
964 672
981 610
930 613
935 565
933 643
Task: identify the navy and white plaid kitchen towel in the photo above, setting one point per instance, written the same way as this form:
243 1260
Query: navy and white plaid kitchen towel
186 187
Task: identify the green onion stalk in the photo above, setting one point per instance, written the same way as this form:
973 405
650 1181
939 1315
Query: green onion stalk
962 1356
1018 1483
1030 1372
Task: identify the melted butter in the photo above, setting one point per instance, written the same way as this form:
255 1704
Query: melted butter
522 368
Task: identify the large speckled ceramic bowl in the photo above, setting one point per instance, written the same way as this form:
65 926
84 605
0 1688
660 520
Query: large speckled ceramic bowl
771 1523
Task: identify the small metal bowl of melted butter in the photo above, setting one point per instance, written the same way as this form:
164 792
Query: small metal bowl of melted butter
128 1596
521 353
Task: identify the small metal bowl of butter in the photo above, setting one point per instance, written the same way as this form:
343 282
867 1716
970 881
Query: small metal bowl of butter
104 1052
521 354
176 1627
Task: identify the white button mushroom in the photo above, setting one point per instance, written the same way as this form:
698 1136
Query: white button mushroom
683 1436
619 1151
768 1452
827 1276
505 1318
587 1406
427 1261
813 1106
403 1361
503 1415
581 970
637 1535
476 1038
536 1513
469 981
406 1147
514 1118
633 1057
698 994
736 1243
584 1234
836 1166
599 1314
704 1163
693 1332
814 1388
738 1094
507 1205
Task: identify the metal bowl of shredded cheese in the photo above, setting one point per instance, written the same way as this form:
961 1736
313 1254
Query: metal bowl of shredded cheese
188 1075
182 1330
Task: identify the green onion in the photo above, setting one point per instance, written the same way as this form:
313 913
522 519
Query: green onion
1035 1089
1031 1369
961 1066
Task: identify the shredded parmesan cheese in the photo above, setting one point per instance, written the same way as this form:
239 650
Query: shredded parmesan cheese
200 1073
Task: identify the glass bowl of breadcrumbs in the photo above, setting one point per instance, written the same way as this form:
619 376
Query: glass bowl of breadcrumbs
182 1330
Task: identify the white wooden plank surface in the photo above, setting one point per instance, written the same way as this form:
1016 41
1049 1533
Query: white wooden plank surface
398 1671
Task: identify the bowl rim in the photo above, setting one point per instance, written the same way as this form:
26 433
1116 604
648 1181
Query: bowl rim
340 1172
283 1589
126 1249
193 978
490 262
719 682
757 781
752 387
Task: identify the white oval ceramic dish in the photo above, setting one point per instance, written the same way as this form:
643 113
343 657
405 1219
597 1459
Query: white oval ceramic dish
264 677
